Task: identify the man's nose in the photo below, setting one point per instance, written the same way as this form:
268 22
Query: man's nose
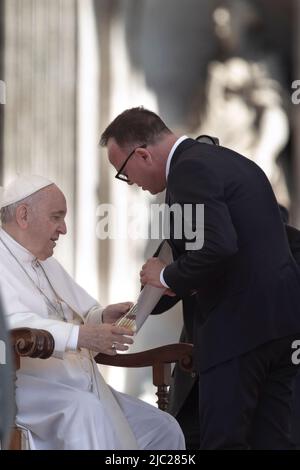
63 228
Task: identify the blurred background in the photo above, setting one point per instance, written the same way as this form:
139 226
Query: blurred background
219 67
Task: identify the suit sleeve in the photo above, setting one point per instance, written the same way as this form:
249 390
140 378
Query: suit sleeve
165 303
192 183
294 241
292 233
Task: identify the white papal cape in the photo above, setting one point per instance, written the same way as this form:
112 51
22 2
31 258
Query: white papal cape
64 401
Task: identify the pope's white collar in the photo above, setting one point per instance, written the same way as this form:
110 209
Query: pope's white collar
18 250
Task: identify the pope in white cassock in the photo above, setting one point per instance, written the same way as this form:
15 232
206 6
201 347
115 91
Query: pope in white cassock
63 401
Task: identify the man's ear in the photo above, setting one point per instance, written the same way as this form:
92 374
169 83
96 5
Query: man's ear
22 216
144 154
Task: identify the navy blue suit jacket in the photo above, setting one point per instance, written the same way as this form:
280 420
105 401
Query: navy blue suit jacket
247 282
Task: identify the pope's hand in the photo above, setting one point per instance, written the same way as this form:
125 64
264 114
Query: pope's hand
113 312
105 338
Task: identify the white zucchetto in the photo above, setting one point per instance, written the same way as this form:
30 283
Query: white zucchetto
22 187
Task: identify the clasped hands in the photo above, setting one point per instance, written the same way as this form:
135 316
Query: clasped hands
109 338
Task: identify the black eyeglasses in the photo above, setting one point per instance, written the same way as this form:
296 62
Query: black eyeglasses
120 175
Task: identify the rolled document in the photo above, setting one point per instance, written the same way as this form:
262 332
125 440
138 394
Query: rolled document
148 297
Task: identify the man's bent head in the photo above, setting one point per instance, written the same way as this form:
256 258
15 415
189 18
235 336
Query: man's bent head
138 143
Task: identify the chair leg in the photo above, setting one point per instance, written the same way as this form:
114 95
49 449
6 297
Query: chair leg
162 380
15 442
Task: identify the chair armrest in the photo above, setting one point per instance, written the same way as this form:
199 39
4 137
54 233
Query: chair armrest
168 354
31 342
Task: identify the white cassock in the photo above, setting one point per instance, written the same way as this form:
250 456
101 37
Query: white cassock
63 401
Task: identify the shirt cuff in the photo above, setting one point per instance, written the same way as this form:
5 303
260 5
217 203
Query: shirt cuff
73 339
161 278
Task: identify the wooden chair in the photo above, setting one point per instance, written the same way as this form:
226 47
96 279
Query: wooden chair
160 359
31 343
40 343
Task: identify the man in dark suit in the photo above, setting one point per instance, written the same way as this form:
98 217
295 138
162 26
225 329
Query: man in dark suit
244 279
184 391
294 241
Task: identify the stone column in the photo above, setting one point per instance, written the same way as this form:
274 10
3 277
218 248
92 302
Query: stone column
87 166
40 113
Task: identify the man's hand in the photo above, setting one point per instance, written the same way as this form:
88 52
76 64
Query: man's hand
113 312
150 274
105 338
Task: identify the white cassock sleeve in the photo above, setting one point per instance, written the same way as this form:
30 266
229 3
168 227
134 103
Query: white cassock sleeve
19 315
25 307
94 317
73 338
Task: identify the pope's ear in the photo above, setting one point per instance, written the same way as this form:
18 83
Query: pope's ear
22 216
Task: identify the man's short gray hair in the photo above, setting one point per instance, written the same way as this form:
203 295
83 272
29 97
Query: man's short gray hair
7 213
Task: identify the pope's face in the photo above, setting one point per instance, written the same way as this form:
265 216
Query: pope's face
46 222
